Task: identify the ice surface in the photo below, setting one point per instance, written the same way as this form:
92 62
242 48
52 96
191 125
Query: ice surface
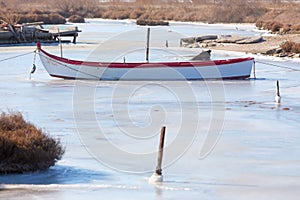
224 139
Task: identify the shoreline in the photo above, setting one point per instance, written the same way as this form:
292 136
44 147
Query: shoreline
268 43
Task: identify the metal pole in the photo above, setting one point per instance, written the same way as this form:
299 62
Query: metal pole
147 47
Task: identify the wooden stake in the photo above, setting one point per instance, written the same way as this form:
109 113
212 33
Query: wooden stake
254 72
157 176
158 170
74 38
147 47
60 44
277 97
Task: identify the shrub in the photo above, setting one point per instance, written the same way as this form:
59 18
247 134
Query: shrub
76 19
292 47
287 18
37 11
296 27
142 22
286 46
24 148
276 27
135 14
53 18
259 24
285 29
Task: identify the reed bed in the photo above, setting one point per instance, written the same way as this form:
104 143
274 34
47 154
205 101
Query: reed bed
277 16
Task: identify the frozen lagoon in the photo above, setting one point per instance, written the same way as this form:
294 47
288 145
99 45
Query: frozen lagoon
224 139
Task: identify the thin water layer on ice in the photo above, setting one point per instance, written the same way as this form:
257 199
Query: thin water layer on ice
231 140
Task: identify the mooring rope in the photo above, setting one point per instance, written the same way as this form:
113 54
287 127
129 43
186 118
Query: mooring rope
13 57
279 66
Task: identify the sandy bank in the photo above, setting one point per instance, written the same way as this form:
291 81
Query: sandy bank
269 42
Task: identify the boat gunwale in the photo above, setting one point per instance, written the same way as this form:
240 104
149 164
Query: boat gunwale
146 64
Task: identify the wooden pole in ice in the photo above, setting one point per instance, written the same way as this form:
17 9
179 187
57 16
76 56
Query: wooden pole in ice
157 175
147 47
160 151
60 44
277 97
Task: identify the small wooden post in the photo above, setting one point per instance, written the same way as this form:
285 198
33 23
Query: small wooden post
60 44
167 43
254 71
157 175
158 170
147 47
74 38
277 97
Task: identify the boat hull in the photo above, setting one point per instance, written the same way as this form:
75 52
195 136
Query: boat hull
196 70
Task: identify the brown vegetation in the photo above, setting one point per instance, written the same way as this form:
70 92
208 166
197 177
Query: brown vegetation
291 47
275 15
143 22
281 19
76 19
238 11
52 18
47 17
24 148
85 8
204 11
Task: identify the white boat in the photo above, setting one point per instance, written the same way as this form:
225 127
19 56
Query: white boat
238 68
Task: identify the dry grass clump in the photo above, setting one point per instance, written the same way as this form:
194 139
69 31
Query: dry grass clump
24 148
291 47
76 19
51 18
84 8
142 22
280 21
47 17
239 12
